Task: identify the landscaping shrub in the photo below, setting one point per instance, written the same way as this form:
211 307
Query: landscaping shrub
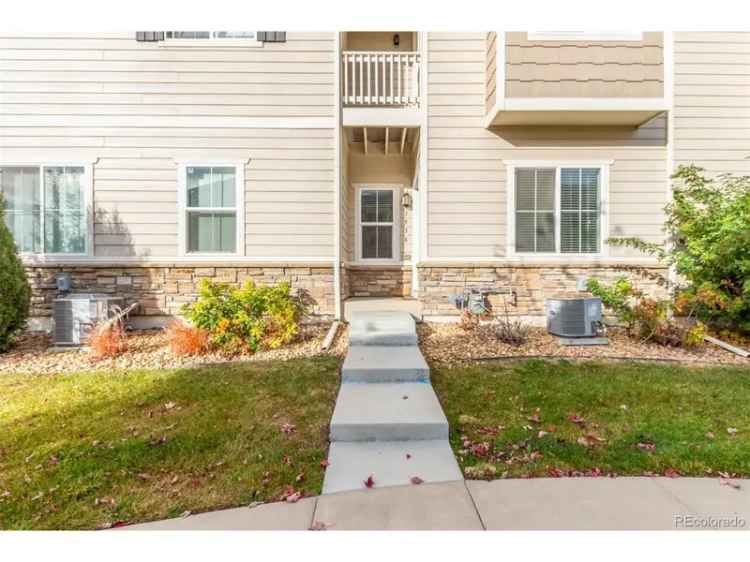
107 341
247 318
512 331
187 340
644 317
708 223
16 297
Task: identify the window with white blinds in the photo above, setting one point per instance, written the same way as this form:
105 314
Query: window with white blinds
579 210
558 210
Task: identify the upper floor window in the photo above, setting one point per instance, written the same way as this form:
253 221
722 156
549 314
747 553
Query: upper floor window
45 208
585 35
219 37
557 209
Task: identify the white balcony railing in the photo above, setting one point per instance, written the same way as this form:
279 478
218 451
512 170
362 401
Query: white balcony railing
385 78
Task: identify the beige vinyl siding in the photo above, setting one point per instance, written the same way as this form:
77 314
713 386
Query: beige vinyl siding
466 214
712 101
491 71
584 68
137 108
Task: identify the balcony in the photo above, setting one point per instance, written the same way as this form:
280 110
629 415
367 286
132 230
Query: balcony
381 88
538 80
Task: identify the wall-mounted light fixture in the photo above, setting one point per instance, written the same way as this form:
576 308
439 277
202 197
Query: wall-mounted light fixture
406 200
396 40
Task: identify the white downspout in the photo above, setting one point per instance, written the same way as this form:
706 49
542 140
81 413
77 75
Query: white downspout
337 178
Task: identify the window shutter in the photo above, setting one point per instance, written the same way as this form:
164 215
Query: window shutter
272 36
149 36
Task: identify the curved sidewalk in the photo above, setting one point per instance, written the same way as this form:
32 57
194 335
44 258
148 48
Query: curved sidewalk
638 503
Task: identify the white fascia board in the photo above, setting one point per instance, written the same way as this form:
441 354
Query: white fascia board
168 121
382 117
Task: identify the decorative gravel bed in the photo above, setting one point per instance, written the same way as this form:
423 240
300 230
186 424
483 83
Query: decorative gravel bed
450 344
148 349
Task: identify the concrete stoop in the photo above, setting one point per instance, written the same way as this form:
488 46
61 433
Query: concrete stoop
387 422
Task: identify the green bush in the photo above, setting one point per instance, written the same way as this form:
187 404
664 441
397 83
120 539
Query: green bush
708 224
247 318
16 293
644 317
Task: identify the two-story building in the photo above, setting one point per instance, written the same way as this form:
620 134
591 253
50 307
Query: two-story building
396 164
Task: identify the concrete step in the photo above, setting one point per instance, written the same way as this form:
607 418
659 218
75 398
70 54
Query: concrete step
351 463
353 305
390 328
387 412
371 363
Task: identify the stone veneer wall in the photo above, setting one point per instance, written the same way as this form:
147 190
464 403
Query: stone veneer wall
161 290
532 284
378 281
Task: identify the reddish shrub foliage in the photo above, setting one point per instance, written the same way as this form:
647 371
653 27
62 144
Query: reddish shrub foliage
108 342
187 340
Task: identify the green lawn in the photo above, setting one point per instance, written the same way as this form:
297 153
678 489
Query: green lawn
89 450
636 418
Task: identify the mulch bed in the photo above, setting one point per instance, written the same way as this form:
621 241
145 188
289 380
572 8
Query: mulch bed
451 344
149 349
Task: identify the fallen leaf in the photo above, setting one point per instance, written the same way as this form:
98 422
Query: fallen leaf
416 480
324 464
732 430
555 472
731 484
319 526
38 496
672 473
370 482
169 405
576 419
710 435
288 428
300 477
647 447
590 439
291 495
185 514
541 433
535 417
144 476
623 406
174 480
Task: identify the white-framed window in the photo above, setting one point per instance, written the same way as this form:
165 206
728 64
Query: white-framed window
585 35
214 38
557 209
378 223
211 198
47 207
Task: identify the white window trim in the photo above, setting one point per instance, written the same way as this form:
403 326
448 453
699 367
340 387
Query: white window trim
88 203
396 259
212 42
585 35
510 183
239 208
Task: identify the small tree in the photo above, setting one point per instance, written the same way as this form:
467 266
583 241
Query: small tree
708 223
16 293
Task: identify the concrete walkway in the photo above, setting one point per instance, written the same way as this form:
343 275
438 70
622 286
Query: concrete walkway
388 422
523 504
